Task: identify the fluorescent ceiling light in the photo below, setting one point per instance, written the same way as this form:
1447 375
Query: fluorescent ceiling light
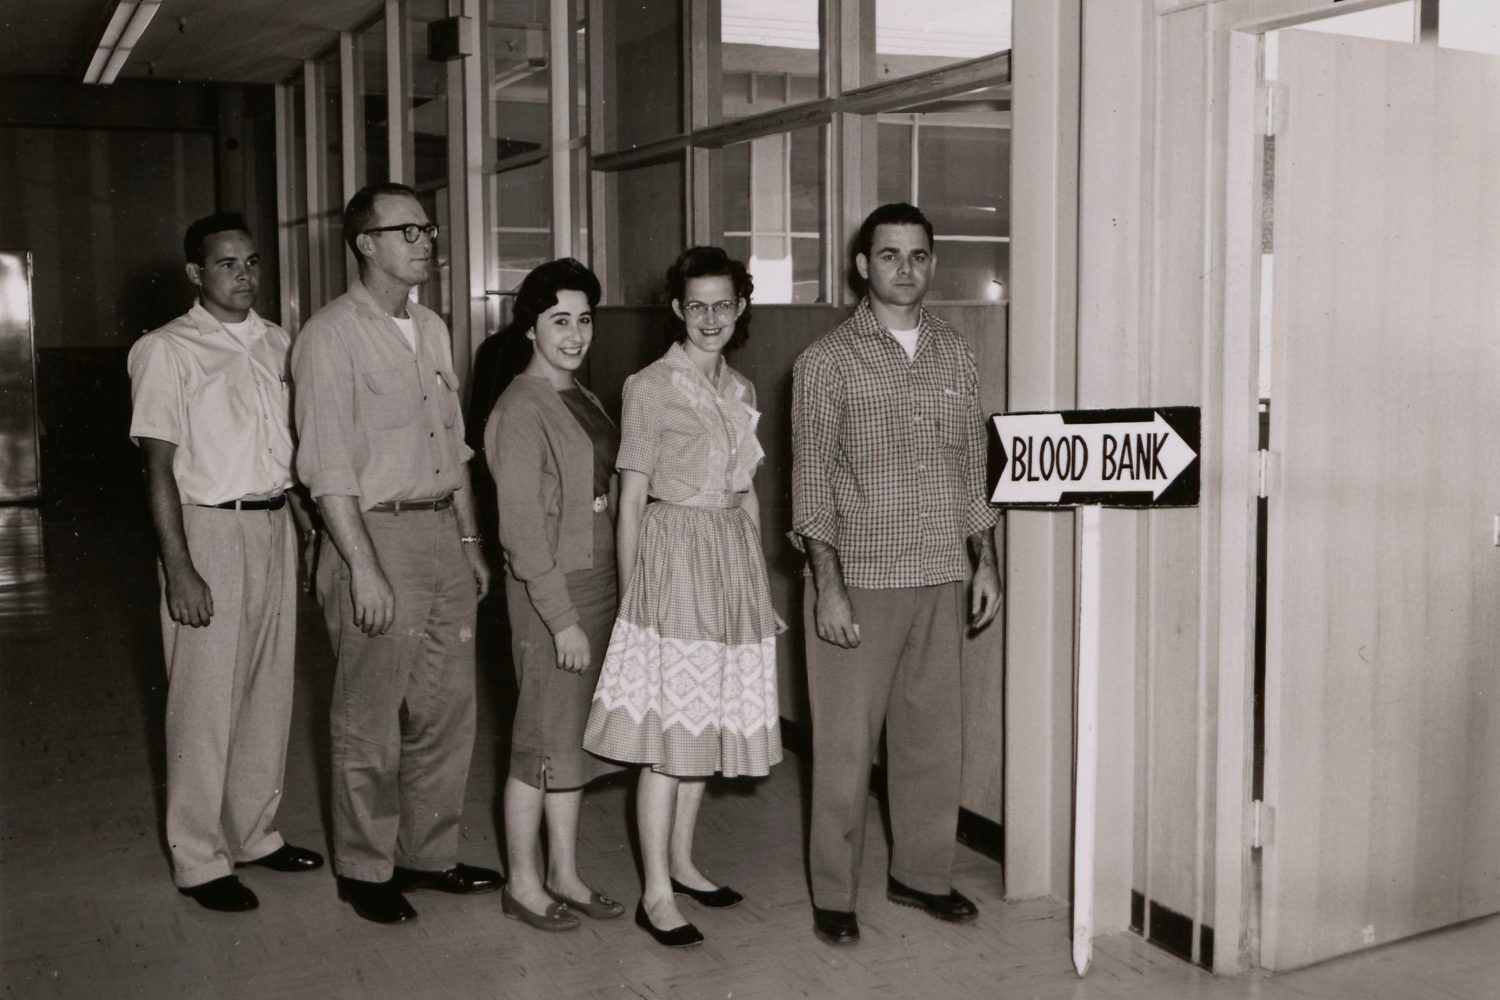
125 28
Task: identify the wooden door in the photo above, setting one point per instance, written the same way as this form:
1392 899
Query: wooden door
1383 618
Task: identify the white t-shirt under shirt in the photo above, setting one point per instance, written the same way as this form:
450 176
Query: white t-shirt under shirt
408 330
908 341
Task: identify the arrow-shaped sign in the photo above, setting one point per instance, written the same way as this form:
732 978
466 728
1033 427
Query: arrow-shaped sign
1115 457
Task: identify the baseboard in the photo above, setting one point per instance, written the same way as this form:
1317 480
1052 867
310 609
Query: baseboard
1172 931
976 832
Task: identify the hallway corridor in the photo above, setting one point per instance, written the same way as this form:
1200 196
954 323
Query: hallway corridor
87 908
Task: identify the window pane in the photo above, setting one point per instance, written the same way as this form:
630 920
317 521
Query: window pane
774 204
427 145
521 205
648 229
893 171
519 81
331 220
370 62
971 271
643 73
581 67
771 55
914 37
963 178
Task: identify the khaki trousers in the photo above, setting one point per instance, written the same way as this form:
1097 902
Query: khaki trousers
229 692
904 673
403 702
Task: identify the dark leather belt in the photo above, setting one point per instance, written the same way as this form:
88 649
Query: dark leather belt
269 503
397 506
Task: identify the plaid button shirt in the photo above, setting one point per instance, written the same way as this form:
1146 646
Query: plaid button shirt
889 453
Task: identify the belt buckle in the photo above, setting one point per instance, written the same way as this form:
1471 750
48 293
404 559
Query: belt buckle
601 503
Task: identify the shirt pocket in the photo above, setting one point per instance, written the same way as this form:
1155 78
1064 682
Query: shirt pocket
448 407
387 398
952 416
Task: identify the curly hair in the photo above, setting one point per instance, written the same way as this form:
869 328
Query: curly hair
538 291
711 262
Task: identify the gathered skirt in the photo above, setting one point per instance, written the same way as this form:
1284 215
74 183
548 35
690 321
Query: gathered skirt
689 679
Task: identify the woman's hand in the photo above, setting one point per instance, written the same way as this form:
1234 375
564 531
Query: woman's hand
572 649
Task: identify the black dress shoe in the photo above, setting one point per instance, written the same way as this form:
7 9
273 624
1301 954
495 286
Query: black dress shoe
721 898
678 937
460 879
227 895
287 858
954 907
835 926
379 902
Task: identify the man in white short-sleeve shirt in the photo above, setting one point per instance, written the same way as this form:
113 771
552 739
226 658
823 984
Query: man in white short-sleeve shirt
211 412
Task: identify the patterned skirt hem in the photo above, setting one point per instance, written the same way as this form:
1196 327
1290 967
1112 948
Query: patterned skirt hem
615 735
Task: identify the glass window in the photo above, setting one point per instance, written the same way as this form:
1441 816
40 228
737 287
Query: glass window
332 217
1470 24
916 37
370 67
647 228
522 235
427 144
643 72
953 160
519 81
770 55
774 211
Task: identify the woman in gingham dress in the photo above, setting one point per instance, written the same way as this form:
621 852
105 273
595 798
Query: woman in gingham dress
689 680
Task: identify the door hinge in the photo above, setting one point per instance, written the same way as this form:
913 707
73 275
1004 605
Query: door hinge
1260 824
1268 472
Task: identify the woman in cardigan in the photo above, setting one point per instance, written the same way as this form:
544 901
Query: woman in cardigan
551 450
689 681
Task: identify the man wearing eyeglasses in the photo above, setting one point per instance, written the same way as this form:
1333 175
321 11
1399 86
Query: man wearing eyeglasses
211 412
888 485
382 450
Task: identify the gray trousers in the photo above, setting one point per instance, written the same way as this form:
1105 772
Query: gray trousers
229 692
403 702
905 674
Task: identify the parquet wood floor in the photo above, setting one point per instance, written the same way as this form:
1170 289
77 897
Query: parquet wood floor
87 908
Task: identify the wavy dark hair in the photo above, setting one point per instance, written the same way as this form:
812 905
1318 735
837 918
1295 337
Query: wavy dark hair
710 262
538 291
896 213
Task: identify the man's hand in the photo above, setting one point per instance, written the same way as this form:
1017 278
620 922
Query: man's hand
984 595
480 567
834 616
572 649
374 601
189 601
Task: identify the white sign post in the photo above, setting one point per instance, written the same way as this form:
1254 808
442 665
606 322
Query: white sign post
1094 459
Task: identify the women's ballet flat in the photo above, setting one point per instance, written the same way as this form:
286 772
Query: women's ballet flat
721 898
556 917
678 937
599 906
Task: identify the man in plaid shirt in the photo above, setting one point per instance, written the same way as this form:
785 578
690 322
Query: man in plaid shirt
888 482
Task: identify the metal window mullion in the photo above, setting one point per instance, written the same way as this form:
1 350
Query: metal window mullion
315 148
560 104
397 112
916 160
285 245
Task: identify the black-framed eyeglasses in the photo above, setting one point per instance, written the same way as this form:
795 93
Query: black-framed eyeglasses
410 231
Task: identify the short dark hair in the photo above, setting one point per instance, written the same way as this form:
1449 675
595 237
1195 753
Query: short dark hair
896 213
199 232
539 289
360 212
711 262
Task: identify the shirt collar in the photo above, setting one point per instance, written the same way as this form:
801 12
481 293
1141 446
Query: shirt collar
868 325
208 323
678 360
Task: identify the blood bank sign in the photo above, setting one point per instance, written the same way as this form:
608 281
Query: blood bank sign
1114 458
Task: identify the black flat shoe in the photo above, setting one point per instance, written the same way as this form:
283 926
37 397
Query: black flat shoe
721 898
461 879
835 926
678 937
378 902
287 858
955 907
226 895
